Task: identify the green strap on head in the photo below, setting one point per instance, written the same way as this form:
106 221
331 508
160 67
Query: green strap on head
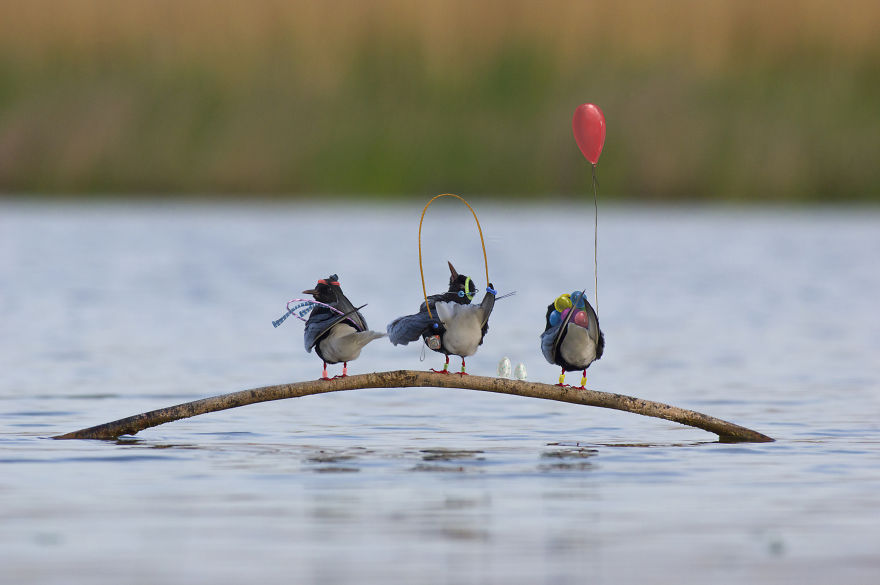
467 288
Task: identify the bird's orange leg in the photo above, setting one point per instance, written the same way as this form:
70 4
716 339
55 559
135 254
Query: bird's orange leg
344 371
445 369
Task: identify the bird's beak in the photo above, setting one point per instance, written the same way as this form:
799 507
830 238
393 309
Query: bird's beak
452 269
312 292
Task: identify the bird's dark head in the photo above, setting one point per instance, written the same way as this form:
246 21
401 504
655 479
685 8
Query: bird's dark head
461 285
325 290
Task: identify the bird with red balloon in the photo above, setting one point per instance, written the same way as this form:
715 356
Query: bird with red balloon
572 338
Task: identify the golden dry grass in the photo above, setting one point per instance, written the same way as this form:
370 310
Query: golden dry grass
705 98
710 33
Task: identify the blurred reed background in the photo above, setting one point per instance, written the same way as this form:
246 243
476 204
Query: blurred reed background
767 100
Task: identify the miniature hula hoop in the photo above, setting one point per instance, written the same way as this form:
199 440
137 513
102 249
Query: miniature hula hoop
482 243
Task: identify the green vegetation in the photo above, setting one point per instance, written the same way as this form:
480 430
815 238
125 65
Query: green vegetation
739 101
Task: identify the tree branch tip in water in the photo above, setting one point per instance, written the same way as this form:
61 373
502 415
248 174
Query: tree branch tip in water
727 432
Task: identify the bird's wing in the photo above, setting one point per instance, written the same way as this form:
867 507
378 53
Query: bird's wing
593 328
409 327
352 314
487 305
321 320
549 343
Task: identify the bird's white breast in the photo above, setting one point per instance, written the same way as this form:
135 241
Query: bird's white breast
464 327
578 348
339 345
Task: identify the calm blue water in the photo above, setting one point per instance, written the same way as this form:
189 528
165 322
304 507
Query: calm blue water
764 317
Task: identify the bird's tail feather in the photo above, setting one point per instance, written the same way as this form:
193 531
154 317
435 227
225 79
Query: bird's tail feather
364 337
408 328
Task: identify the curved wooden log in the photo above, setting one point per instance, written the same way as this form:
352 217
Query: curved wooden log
727 432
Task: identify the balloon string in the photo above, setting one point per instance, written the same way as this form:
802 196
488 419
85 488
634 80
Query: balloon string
482 243
596 233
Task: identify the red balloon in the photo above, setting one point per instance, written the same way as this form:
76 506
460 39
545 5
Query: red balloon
589 130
